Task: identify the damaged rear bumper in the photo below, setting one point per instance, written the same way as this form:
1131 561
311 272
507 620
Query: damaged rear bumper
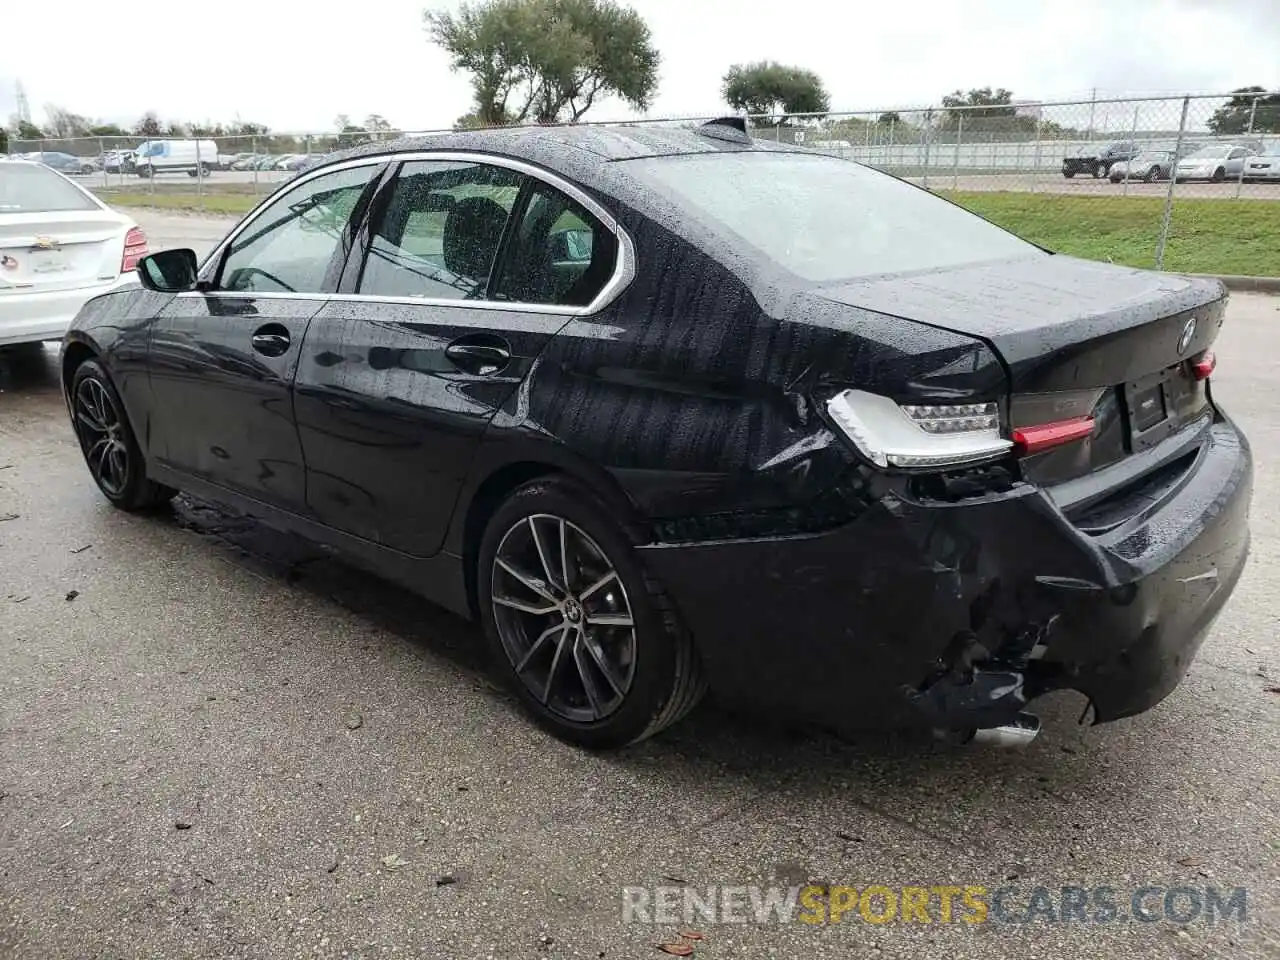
957 615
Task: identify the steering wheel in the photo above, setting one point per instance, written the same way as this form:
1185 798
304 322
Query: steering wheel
246 273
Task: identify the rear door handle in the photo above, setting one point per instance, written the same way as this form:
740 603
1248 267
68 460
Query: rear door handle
481 355
271 340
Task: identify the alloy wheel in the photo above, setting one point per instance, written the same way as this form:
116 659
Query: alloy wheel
564 618
101 430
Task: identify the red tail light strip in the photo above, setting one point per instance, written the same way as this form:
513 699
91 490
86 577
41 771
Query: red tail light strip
135 248
1029 440
1204 365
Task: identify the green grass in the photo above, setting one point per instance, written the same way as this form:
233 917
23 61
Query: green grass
1205 236
228 203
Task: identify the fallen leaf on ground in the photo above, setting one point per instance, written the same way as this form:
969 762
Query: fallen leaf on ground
1189 861
676 949
354 721
393 861
691 935
1271 689
182 825
72 594
446 880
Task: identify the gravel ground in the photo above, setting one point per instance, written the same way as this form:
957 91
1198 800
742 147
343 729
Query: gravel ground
216 743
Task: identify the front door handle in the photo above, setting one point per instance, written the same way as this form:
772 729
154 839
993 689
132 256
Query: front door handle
271 340
481 356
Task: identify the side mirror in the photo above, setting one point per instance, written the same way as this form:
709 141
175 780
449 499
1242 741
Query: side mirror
168 271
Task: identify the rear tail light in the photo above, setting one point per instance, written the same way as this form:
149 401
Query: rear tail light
918 436
135 248
1202 367
1046 436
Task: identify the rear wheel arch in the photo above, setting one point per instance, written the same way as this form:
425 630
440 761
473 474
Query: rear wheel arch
504 480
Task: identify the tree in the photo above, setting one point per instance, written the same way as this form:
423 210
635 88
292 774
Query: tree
890 116
1232 118
148 126
983 103
107 130
547 60
4 140
64 124
26 130
771 90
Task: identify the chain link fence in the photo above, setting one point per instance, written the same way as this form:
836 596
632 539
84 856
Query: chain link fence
1139 181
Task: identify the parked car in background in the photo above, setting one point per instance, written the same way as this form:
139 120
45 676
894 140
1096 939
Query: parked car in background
643 404
118 161
1150 165
1216 162
192 157
1265 165
282 162
295 162
59 246
62 162
1097 161
248 161
267 161
228 161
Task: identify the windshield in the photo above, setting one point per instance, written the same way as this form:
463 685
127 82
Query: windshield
1273 150
1212 152
28 188
1151 157
822 218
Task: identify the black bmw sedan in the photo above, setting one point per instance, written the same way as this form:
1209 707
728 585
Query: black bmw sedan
670 409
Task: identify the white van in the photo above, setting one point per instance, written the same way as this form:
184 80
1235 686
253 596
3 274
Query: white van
191 157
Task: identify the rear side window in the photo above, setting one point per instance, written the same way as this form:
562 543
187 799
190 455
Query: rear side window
439 232
821 218
30 188
560 255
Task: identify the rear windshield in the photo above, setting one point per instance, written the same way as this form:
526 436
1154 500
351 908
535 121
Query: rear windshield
825 219
32 188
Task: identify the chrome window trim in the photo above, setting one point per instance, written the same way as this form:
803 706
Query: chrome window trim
624 269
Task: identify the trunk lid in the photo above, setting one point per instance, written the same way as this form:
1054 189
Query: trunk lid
45 252
1078 338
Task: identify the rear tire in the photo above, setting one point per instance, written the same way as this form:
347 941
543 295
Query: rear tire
1219 175
1100 171
593 648
1152 175
108 443
1069 174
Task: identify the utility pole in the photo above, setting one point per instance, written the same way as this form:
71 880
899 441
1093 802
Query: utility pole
24 108
1093 105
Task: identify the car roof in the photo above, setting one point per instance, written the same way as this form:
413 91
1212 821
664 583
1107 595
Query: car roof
573 150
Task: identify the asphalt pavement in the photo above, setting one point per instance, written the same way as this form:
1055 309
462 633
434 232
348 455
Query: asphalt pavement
216 742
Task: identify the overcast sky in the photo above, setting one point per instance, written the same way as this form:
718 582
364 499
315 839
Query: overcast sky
302 64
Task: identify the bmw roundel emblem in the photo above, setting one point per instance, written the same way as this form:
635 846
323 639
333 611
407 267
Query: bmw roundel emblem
1188 334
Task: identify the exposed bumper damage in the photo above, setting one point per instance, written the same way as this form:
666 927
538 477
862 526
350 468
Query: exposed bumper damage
957 615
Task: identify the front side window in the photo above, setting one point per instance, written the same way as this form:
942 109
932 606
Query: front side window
289 246
439 232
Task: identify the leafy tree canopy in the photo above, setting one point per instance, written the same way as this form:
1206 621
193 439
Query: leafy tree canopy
1232 118
547 60
772 90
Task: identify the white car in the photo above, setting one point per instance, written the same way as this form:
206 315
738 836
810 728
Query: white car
1265 166
1216 162
59 246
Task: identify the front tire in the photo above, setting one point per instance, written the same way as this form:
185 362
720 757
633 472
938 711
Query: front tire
1152 175
1100 171
1219 175
591 645
107 441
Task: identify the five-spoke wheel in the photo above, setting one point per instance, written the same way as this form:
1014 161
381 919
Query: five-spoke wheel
110 449
592 646
564 617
